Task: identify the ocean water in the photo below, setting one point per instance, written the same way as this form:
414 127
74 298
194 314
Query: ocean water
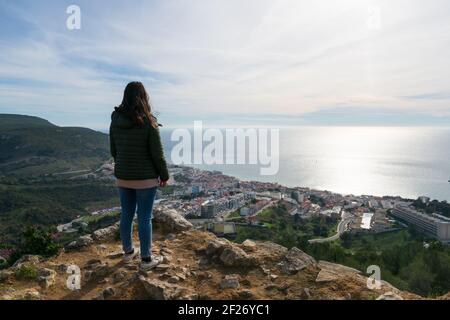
394 161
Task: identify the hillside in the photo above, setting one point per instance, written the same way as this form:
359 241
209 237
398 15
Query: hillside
197 265
46 174
31 146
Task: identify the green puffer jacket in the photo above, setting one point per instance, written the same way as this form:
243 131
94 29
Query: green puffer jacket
137 150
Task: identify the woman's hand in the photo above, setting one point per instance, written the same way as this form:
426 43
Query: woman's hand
162 183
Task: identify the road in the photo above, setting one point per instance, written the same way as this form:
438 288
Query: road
342 226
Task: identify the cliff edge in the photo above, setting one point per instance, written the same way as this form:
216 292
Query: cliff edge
197 265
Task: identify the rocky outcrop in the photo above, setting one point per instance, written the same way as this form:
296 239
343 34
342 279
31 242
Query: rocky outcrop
106 234
46 277
160 290
332 272
196 265
81 242
170 220
296 260
27 260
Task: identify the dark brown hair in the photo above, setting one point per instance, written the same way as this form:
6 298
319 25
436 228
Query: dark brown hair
136 104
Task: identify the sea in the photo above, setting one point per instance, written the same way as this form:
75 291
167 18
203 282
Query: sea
380 161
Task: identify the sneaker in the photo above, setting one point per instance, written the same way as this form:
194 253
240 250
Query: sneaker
127 257
147 264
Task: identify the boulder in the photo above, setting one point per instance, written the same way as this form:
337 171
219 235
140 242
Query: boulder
230 282
296 260
171 220
31 294
27 260
160 290
216 246
81 242
234 256
108 293
249 245
46 277
105 234
332 272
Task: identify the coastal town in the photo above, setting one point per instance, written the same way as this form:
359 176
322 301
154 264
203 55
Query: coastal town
220 203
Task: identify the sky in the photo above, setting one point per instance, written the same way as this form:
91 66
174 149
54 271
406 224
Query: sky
230 62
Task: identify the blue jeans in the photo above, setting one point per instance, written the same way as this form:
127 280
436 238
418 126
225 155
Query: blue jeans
143 199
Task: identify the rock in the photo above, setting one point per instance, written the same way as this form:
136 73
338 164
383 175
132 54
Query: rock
265 270
245 294
81 242
170 236
236 257
108 233
389 296
159 290
171 220
204 275
32 294
27 260
46 277
93 262
145 273
119 277
173 279
108 293
306 294
62 267
181 276
203 262
270 287
162 267
192 296
332 272
5 275
296 260
249 245
166 251
131 267
115 255
229 282
96 270
246 283
216 246
273 277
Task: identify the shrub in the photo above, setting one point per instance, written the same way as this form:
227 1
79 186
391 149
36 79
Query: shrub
26 273
38 242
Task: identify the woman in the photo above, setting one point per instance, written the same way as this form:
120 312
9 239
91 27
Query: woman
140 168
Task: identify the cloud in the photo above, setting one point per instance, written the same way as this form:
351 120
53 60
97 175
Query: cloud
208 59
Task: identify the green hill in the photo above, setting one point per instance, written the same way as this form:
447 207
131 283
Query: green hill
32 152
33 146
